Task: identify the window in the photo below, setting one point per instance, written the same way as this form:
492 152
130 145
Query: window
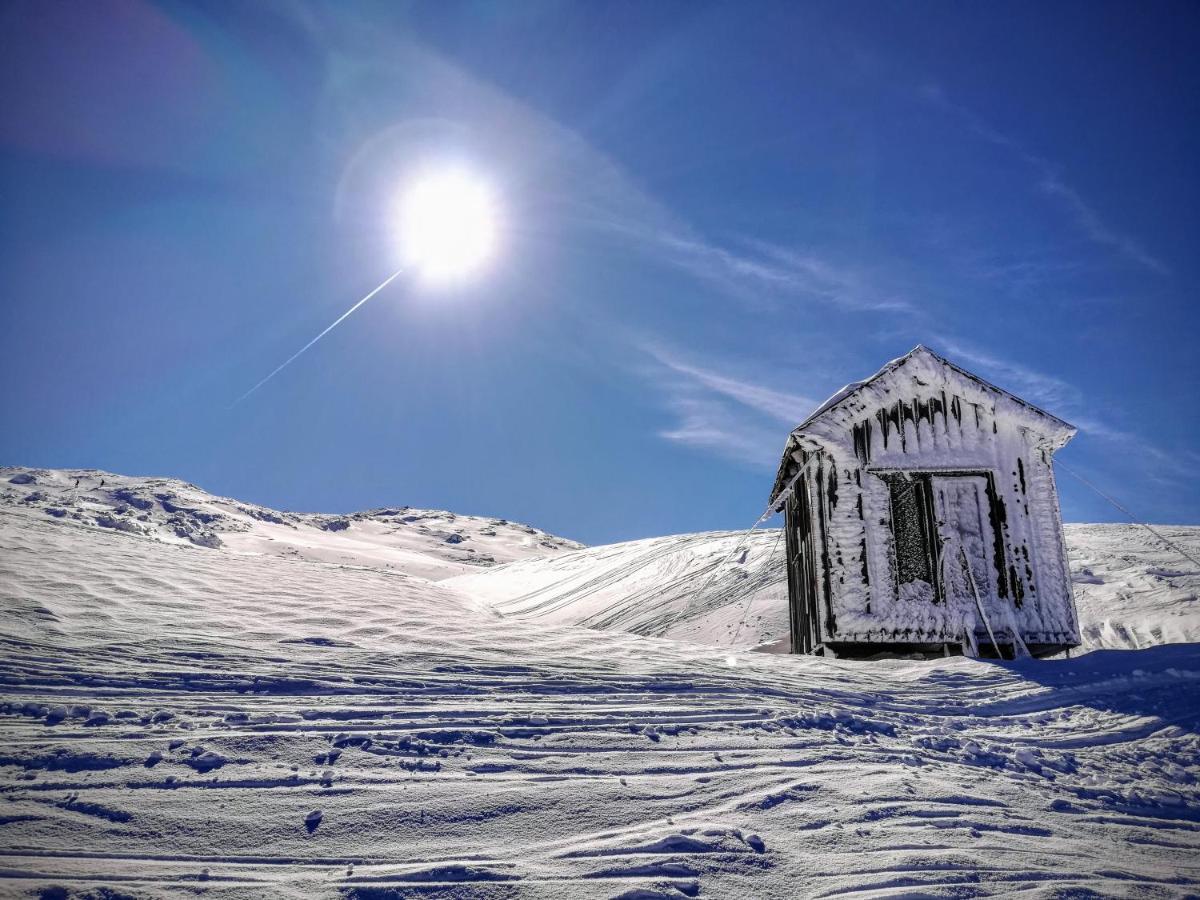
915 537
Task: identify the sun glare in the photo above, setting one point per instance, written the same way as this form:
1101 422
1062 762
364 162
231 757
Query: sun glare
448 225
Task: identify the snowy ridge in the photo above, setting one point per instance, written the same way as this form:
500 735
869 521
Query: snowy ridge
1130 590
429 543
176 719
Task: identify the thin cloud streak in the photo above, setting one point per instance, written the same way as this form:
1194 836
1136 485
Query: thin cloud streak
1089 221
778 271
757 273
780 405
731 417
1051 184
1037 387
713 427
1064 399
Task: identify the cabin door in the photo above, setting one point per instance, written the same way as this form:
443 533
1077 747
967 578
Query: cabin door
960 504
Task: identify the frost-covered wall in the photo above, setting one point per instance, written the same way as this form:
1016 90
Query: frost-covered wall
979 460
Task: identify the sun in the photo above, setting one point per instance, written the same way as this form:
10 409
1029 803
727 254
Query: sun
448 224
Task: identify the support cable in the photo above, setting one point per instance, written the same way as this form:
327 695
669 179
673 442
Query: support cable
746 606
1132 517
717 568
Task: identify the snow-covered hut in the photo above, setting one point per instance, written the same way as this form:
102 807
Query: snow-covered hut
922 516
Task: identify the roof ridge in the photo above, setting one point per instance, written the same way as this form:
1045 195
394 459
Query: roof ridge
854 387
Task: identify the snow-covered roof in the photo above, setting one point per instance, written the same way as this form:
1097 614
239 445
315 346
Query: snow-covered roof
921 351
1051 424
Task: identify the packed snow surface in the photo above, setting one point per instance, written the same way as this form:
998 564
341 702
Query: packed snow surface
232 721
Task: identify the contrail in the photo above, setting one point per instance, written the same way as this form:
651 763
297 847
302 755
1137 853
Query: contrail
338 321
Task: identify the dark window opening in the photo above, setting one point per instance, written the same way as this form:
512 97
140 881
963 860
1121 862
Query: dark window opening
915 538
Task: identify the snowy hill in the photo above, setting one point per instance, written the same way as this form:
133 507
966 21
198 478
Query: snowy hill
1131 591
429 543
245 723
718 588
723 589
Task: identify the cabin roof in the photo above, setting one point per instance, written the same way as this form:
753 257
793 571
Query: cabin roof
1053 424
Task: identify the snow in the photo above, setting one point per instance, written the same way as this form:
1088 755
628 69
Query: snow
303 720
691 587
429 543
1130 590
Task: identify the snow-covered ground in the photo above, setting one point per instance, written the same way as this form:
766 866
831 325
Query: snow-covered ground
730 589
425 542
254 720
720 588
1130 590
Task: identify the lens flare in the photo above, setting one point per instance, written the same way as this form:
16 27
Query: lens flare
448 225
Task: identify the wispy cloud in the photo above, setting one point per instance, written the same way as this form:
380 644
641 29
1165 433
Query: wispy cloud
1158 464
758 267
1023 274
604 198
783 406
711 426
1066 400
756 272
1053 393
1089 221
1050 183
734 417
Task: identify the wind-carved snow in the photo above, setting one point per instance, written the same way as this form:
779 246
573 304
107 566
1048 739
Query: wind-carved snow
1130 589
425 542
717 588
181 719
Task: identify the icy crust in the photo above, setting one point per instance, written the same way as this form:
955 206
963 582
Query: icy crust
430 543
960 424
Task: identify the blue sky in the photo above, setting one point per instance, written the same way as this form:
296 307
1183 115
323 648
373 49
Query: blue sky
715 216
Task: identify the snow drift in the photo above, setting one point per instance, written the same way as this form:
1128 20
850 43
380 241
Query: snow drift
181 719
726 589
424 542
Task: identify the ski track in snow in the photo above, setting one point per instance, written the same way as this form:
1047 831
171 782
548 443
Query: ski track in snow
182 720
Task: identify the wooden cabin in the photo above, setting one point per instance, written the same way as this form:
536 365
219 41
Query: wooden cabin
922 517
